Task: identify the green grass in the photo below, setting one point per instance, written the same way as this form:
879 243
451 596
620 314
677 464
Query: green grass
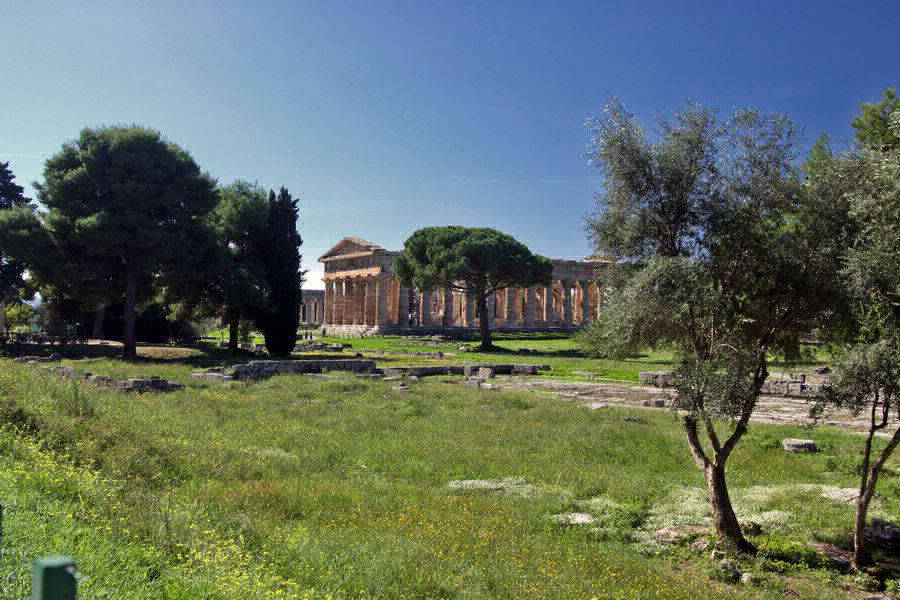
294 486
557 350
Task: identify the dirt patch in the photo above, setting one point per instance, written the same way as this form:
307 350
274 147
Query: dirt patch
769 409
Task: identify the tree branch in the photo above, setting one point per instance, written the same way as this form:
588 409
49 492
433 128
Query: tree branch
690 427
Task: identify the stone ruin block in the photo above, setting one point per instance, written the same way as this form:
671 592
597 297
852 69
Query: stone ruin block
62 371
797 445
486 373
263 369
656 378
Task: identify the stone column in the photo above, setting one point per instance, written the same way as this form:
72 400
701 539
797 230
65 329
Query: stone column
349 295
348 302
469 319
448 307
403 308
510 306
368 316
380 302
585 303
353 301
567 303
329 302
426 308
548 305
337 316
529 307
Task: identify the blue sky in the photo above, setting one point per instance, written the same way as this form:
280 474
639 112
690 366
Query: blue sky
387 116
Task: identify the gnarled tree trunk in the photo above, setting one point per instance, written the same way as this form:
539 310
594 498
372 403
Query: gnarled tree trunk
868 482
724 519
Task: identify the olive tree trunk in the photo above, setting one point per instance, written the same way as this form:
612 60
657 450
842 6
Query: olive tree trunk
129 317
868 481
724 519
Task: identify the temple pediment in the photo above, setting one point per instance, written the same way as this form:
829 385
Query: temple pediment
350 246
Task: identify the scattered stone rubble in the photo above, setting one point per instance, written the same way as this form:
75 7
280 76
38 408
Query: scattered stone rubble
437 354
312 346
263 369
884 535
794 386
138 385
55 357
480 371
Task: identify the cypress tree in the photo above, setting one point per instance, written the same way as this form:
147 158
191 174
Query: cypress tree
278 250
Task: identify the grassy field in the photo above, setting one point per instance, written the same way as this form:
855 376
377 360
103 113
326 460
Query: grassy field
557 350
297 487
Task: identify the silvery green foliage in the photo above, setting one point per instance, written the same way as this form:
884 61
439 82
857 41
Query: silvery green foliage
738 260
652 191
867 378
868 180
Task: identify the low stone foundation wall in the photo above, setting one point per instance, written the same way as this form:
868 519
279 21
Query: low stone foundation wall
263 369
320 347
794 387
466 370
138 385
55 357
438 354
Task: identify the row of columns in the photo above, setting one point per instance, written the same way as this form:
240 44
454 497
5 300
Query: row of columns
359 301
311 312
506 302
380 301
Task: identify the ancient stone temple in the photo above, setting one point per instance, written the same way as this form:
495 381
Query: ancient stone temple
312 307
363 296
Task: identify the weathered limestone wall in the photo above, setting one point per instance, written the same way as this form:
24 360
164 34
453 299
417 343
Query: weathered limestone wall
467 370
263 369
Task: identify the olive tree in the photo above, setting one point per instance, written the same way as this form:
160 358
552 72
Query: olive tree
734 263
867 378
